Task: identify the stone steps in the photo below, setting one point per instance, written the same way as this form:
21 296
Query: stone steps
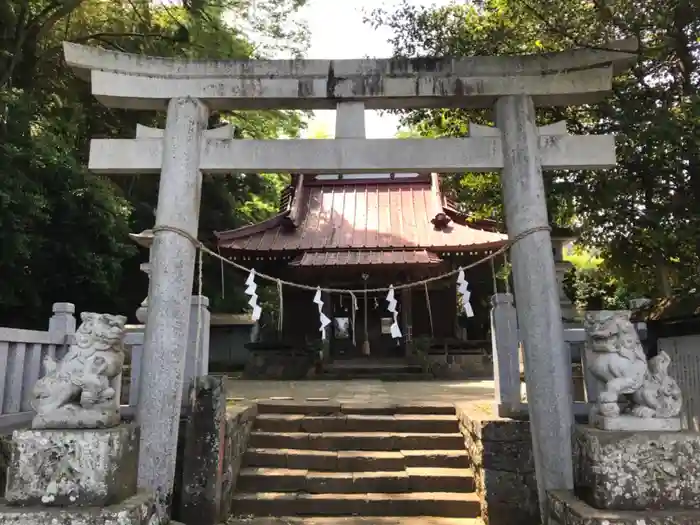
395 370
356 520
349 459
445 504
356 440
411 479
379 376
354 460
402 423
320 408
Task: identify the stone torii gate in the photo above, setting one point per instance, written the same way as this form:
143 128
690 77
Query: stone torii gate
512 85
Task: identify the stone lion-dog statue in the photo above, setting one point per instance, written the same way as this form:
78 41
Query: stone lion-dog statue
78 391
630 384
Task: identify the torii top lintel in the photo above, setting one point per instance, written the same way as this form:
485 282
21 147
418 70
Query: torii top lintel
574 77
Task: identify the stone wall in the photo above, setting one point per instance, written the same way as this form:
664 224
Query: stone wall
500 450
460 366
5 457
216 436
239 423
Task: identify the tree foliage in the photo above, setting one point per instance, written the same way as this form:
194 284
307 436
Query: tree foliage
64 231
643 216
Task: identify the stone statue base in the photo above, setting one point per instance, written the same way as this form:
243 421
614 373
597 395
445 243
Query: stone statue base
637 471
74 468
566 509
72 417
136 510
635 424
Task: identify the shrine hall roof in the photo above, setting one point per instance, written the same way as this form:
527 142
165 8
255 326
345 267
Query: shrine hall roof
366 258
400 213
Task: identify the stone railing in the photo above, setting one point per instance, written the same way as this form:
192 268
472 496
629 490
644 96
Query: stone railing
685 368
22 354
507 360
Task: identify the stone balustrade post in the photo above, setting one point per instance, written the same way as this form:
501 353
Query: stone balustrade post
62 322
506 359
197 360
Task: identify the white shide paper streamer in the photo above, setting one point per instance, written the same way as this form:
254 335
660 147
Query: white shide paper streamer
391 299
251 290
462 288
323 318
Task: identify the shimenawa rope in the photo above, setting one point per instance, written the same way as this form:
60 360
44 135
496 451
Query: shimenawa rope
200 245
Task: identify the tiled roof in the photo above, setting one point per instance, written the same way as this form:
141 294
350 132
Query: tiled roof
361 217
364 258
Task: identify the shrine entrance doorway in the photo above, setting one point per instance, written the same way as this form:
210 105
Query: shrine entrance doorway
368 334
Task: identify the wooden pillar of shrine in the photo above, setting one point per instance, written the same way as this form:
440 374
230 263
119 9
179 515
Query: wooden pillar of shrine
406 317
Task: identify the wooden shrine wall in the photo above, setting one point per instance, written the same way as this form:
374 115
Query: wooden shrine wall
300 316
443 305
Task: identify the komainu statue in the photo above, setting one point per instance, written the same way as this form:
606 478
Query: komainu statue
660 395
629 385
78 390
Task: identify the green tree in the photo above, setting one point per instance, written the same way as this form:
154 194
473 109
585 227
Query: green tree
63 231
643 216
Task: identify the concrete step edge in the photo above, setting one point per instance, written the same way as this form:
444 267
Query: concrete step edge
434 472
361 435
354 520
409 452
359 496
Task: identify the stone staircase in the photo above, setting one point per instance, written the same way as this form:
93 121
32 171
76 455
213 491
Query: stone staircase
371 368
326 459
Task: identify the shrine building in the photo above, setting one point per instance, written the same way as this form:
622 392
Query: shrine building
358 231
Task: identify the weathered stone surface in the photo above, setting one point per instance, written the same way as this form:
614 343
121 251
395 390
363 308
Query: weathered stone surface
137 82
137 510
283 364
167 336
617 360
216 438
506 456
5 459
637 470
460 366
80 391
73 467
486 425
629 423
239 423
500 452
547 361
566 509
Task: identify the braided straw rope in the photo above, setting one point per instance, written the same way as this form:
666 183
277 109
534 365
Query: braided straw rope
200 246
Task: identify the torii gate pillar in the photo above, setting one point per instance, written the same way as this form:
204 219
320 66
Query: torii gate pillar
547 360
172 274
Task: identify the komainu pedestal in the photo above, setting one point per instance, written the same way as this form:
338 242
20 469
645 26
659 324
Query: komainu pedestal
80 476
632 464
78 464
637 470
73 467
